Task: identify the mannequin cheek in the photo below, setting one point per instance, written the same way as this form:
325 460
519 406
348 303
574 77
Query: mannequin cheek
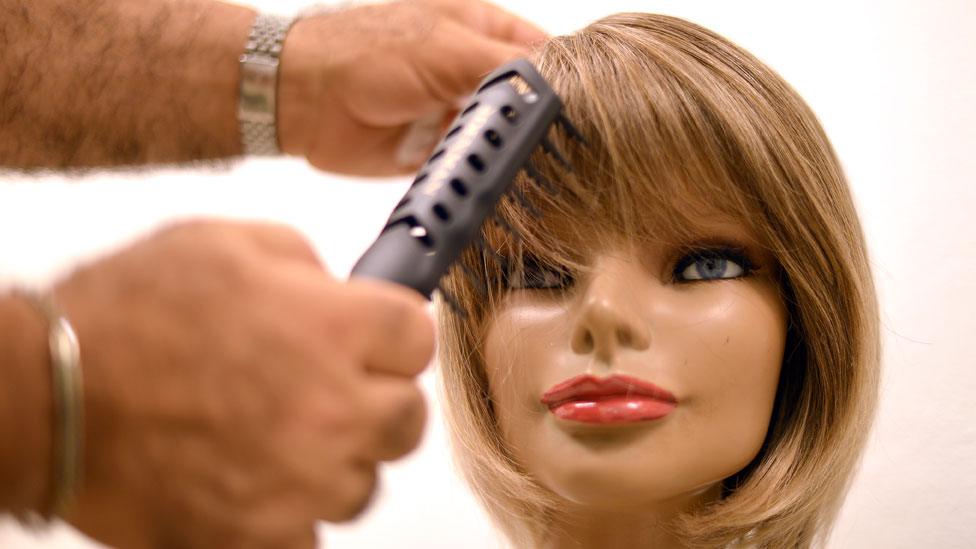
737 384
517 409
733 359
511 362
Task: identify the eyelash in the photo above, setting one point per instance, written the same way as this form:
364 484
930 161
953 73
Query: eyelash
724 253
544 278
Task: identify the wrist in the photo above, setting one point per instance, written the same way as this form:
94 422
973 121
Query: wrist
297 86
26 411
307 66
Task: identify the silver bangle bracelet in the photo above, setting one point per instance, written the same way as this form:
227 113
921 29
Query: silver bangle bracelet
65 355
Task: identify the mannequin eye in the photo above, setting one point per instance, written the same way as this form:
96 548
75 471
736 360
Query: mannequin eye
534 276
713 264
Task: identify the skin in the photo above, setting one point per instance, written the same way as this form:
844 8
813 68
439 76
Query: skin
234 391
717 345
162 86
341 108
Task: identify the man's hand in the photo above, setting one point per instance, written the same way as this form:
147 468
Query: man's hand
234 391
91 83
353 81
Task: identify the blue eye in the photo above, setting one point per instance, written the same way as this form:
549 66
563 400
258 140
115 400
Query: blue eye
713 264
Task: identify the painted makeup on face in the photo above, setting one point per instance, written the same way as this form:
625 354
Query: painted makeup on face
648 376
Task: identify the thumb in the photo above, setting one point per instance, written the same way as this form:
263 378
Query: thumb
475 55
495 53
306 539
490 20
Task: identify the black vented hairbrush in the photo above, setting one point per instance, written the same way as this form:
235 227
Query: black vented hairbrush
470 170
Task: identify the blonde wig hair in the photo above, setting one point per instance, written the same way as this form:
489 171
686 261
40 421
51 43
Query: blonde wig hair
676 114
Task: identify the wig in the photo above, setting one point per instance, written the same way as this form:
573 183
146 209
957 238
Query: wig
677 115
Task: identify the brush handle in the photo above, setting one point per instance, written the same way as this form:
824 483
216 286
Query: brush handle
470 170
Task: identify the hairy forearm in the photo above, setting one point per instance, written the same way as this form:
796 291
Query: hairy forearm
107 82
25 408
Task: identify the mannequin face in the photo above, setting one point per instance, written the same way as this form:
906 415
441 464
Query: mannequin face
649 378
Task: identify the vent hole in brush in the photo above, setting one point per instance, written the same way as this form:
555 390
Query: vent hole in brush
418 231
469 108
510 114
453 132
459 187
493 138
420 179
441 212
436 155
476 162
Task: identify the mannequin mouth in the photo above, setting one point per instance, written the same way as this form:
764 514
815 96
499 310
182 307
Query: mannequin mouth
615 399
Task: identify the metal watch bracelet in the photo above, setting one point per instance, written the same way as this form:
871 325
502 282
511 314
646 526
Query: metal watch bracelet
256 113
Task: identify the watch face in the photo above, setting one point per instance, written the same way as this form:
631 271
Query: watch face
259 77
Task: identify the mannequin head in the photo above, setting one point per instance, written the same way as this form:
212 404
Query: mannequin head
707 243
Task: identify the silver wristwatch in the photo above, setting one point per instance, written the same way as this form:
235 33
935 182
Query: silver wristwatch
256 112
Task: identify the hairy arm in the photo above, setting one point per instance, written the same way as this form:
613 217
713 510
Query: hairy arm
107 82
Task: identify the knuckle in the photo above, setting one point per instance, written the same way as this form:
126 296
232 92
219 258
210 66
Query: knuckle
407 326
402 424
424 338
289 241
356 493
284 233
189 226
201 229
202 237
340 415
413 418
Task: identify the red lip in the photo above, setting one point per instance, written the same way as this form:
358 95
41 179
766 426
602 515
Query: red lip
615 399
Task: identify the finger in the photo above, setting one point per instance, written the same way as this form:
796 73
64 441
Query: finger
305 539
282 241
421 139
375 326
397 413
353 494
494 22
395 331
502 25
461 61
485 55
376 143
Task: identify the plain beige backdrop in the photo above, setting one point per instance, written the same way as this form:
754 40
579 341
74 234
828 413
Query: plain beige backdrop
894 85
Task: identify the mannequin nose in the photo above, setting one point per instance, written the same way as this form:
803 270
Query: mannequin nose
607 323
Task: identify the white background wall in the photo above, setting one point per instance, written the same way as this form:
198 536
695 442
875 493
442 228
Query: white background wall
894 83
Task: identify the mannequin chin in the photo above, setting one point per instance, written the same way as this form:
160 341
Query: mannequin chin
716 345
